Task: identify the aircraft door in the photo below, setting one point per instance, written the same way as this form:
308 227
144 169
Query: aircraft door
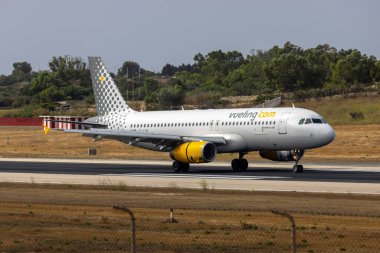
217 125
211 125
282 123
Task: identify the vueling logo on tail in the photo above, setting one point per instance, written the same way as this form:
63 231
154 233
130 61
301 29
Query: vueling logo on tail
101 78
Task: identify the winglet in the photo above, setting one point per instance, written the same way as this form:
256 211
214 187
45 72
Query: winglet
46 129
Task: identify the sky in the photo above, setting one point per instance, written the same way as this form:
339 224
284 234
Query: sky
156 32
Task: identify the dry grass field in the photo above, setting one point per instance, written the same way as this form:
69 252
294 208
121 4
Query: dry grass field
48 218
353 143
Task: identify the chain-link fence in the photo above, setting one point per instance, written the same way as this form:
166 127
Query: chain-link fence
182 230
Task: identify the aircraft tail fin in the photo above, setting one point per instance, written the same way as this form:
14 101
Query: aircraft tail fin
108 98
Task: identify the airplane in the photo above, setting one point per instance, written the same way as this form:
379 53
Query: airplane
197 136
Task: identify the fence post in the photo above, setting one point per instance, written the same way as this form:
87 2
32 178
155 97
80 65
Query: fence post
293 224
133 228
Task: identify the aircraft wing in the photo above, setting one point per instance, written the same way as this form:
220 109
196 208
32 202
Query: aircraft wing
145 135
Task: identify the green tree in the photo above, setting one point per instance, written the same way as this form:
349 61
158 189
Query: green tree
21 71
151 87
170 95
68 78
23 67
169 70
129 68
375 74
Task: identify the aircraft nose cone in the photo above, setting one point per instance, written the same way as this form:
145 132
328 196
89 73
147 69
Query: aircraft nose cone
327 134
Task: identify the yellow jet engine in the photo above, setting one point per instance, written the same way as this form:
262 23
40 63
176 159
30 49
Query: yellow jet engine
194 152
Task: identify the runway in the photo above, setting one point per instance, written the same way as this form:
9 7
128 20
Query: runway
268 176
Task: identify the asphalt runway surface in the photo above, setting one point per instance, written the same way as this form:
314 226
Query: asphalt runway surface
255 170
316 176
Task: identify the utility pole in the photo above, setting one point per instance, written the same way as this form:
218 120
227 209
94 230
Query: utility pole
139 82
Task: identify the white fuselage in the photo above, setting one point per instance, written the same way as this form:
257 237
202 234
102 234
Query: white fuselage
244 129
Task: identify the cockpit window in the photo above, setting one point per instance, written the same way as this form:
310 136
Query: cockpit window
308 121
301 122
317 121
324 121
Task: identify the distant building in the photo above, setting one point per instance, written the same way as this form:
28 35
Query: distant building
47 121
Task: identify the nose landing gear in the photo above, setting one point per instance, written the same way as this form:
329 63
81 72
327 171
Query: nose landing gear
240 164
298 168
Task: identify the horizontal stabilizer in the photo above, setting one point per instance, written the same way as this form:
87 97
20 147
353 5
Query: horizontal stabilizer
79 123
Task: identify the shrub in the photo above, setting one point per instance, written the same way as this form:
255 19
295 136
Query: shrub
357 115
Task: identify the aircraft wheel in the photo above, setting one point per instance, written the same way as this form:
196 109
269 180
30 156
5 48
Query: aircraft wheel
185 167
235 164
243 164
297 168
176 166
180 167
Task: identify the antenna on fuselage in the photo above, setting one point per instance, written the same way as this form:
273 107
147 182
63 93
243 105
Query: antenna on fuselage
293 105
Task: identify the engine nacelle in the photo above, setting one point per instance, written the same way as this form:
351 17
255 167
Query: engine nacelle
282 156
194 152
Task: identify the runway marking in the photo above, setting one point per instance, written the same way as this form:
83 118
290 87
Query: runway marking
205 176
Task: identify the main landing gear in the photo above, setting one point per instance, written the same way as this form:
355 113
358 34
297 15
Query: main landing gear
180 167
240 164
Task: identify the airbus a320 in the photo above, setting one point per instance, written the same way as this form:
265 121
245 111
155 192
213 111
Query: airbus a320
197 136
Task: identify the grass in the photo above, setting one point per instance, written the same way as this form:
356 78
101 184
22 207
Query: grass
50 218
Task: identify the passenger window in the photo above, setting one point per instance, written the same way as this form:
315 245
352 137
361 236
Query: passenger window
308 121
301 122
